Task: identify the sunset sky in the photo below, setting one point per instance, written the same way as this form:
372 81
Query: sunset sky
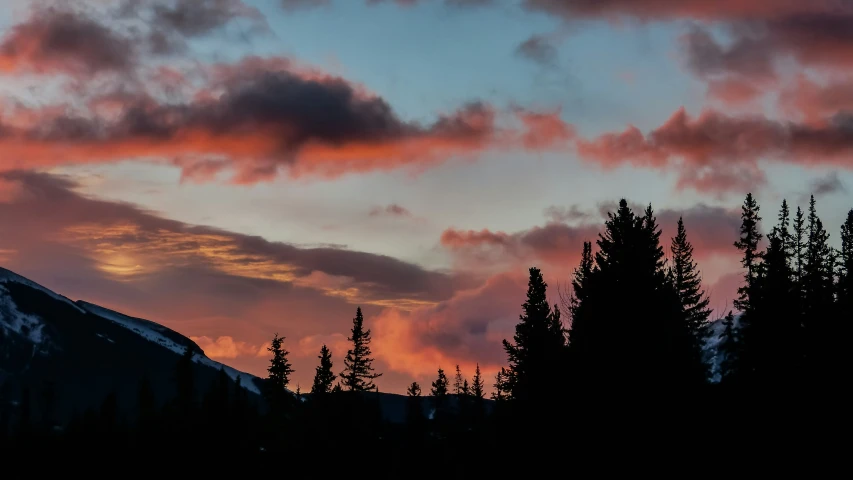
236 168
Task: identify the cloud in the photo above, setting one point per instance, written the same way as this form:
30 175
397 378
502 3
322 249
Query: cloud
828 185
228 348
292 5
715 152
814 101
538 49
464 330
65 40
566 214
193 18
649 10
128 244
261 118
393 210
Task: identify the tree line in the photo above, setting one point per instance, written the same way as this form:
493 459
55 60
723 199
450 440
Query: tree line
628 344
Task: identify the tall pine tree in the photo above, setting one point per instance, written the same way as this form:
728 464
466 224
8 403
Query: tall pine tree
845 277
458 382
279 372
748 245
536 354
358 374
688 283
323 376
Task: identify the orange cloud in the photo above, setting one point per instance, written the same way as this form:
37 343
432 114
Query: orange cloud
227 347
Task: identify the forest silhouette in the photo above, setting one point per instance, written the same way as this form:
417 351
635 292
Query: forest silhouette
621 362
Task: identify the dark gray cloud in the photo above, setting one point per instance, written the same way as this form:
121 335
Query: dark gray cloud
538 49
65 40
828 185
391 210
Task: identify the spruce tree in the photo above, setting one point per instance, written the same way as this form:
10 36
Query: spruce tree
845 277
323 377
279 372
688 283
783 231
500 392
748 245
477 385
414 407
818 297
439 386
609 331
358 374
799 243
458 382
536 353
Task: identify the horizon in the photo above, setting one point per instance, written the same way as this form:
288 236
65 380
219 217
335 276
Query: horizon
238 168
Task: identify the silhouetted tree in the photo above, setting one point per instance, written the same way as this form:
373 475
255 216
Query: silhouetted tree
818 291
748 245
845 277
458 382
688 283
414 408
279 372
358 374
500 393
607 334
439 386
477 385
323 377
799 243
535 355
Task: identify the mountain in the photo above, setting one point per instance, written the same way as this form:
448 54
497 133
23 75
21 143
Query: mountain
78 353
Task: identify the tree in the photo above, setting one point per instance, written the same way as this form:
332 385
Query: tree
799 245
458 382
535 355
279 372
748 245
818 292
358 374
500 392
323 377
414 407
414 390
609 331
688 283
845 277
439 386
477 385
783 231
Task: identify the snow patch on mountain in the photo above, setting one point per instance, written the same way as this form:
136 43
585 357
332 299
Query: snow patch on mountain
145 329
11 319
8 276
711 348
154 332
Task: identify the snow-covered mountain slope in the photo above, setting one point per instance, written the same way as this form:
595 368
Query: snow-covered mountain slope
88 351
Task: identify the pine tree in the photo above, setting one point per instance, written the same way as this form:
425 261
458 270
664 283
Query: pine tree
799 245
477 385
323 377
466 389
414 390
688 283
500 392
458 383
439 386
414 407
358 374
279 372
608 332
536 353
748 245
845 277
783 231
818 296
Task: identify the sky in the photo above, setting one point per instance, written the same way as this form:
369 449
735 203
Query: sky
234 169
